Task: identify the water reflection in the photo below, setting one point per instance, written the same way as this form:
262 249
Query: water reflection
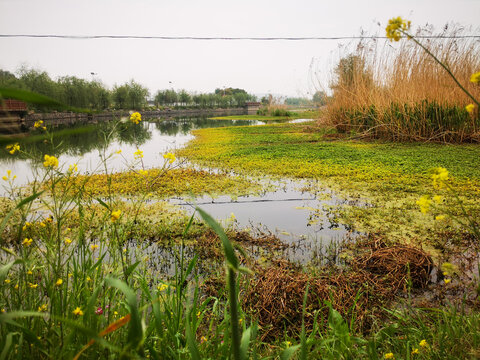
83 144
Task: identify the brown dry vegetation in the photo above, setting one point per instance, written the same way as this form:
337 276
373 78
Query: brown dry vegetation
397 91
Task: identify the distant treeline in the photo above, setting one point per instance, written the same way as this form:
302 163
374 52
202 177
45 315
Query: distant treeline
80 93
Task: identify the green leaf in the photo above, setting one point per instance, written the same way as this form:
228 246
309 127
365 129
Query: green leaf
244 344
289 352
188 225
191 342
35 98
131 268
135 331
227 245
8 344
103 203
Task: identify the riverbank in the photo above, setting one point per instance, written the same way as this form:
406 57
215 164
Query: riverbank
64 118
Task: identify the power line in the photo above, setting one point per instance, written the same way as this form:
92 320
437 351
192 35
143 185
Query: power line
134 37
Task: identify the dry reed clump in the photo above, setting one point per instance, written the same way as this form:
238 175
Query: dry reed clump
401 93
275 295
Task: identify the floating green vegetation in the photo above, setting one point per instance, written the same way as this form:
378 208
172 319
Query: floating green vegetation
388 176
165 184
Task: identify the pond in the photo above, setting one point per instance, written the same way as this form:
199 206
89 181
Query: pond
295 215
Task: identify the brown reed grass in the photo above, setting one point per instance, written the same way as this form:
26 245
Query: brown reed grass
397 91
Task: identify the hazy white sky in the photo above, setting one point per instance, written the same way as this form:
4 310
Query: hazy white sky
281 67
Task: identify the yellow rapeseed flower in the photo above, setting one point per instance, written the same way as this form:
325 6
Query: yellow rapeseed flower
475 78
470 108
12 149
115 215
135 117
59 282
78 311
27 242
138 154
396 27
439 176
39 125
424 204
73 168
50 161
170 157
389 356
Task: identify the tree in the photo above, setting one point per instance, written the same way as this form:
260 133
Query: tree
320 98
137 95
120 96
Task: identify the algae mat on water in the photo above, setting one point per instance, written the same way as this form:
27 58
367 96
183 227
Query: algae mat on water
389 176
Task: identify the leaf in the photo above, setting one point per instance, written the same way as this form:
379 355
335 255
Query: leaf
8 344
244 344
131 268
35 98
103 203
135 332
191 342
289 352
227 245
188 225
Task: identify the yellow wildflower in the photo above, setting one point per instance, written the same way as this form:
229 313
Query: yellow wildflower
439 176
70 275
93 247
39 125
27 242
115 215
135 117
118 151
440 217
8 281
415 351
475 78
2 311
424 204
447 281
143 172
162 287
470 108
29 272
73 168
16 287
423 343
59 282
396 27
12 149
42 308
89 278
170 157
389 356
50 161
68 241
32 286
78 311
448 269
138 154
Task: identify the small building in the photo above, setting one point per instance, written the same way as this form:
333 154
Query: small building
11 116
252 107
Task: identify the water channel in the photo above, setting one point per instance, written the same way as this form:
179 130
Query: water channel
298 217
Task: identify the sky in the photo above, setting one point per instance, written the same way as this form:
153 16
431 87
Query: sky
289 68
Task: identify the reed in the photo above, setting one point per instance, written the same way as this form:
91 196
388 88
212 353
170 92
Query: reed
399 92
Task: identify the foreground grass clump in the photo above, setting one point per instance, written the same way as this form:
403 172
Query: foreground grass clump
388 176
